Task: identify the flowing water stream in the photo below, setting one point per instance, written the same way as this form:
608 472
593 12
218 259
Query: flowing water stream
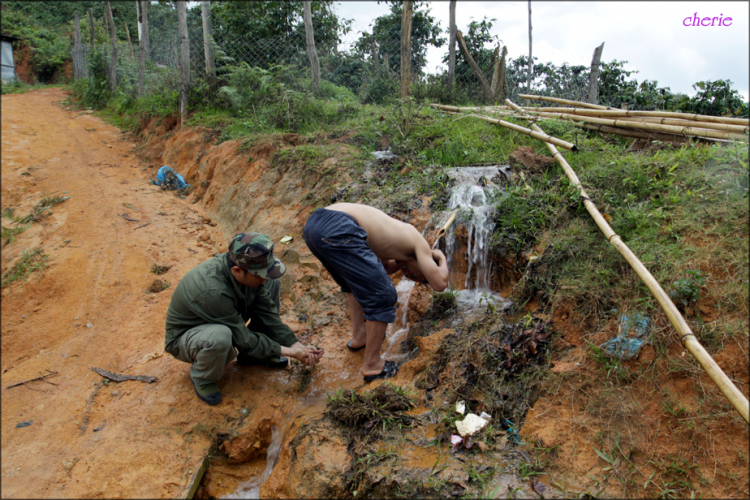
471 197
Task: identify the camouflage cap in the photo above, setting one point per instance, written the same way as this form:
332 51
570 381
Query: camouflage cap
253 252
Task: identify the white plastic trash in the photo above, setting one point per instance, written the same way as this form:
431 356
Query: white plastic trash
460 407
470 425
485 416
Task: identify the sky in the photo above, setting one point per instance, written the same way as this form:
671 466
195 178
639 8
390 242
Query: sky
651 36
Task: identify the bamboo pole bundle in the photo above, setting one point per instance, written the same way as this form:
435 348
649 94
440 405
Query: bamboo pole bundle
626 112
725 385
657 127
637 134
735 129
537 135
562 101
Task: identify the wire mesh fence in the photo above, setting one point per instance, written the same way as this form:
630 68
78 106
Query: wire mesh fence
370 72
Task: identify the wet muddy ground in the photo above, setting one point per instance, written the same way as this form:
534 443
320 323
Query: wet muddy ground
97 306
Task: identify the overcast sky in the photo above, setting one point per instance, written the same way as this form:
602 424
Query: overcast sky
649 35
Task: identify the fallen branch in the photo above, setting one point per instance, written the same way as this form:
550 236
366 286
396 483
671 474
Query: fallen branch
33 379
561 101
121 378
126 217
142 225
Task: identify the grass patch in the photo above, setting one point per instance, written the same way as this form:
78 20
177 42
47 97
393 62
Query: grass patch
383 407
157 269
31 261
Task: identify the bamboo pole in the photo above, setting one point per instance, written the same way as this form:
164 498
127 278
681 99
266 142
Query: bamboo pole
735 129
449 222
537 135
637 134
687 337
691 131
635 112
562 101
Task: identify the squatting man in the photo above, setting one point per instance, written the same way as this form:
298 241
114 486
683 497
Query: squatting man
361 246
208 316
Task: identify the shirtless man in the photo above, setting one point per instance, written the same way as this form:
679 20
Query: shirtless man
360 246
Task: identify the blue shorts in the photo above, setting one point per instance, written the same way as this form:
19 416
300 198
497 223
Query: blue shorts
340 244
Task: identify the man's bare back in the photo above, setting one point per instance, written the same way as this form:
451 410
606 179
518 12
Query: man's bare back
395 242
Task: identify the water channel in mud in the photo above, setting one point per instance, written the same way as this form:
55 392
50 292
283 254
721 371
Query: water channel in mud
471 198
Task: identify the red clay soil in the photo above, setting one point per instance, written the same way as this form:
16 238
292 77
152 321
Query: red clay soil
91 307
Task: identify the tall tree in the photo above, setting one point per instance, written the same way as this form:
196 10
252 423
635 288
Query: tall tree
406 19
312 54
184 59
452 44
208 39
113 65
531 60
387 29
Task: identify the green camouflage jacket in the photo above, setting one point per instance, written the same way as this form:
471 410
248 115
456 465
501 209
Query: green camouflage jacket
209 294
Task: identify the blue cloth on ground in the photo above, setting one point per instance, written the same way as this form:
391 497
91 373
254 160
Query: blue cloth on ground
340 244
634 330
161 177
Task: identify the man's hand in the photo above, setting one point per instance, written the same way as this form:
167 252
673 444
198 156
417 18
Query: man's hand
306 354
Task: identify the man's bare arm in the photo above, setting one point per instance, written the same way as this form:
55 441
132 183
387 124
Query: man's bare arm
436 273
390 265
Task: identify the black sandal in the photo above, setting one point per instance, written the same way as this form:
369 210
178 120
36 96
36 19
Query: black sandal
389 370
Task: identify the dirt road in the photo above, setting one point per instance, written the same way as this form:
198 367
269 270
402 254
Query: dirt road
91 308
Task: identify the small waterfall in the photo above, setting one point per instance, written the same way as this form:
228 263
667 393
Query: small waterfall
396 332
472 197
251 487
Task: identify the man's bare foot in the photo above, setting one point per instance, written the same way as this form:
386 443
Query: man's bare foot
368 370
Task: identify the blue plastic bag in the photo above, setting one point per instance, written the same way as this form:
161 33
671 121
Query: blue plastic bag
161 178
634 330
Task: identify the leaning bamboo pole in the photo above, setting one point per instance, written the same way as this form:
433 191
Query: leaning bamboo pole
537 135
657 127
725 127
562 101
725 385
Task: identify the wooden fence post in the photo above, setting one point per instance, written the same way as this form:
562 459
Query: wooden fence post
113 66
406 18
127 33
208 39
144 32
452 44
594 75
311 52
184 59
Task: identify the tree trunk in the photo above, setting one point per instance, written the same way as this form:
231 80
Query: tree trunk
140 23
142 47
91 22
113 67
386 66
144 33
531 60
184 59
311 52
127 33
106 24
78 66
594 75
208 39
406 18
374 55
474 66
452 45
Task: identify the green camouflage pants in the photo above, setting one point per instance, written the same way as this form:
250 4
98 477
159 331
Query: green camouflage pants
208 348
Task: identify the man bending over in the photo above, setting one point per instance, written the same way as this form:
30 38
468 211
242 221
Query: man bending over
207 317
360 246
